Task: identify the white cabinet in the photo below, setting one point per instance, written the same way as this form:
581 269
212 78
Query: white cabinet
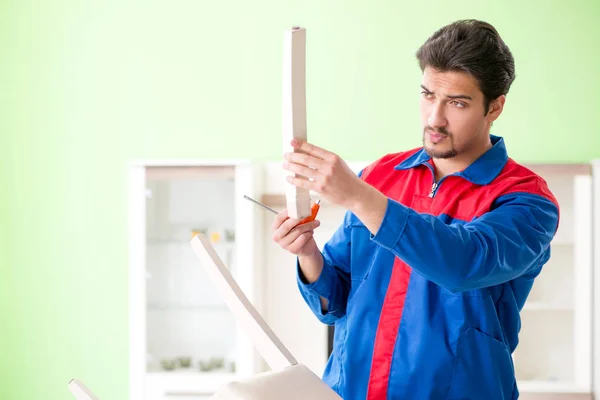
175 312
596 275
184 341
554 354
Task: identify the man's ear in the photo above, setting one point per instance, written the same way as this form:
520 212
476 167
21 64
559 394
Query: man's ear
496 107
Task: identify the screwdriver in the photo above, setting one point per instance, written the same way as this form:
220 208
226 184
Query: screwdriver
314 210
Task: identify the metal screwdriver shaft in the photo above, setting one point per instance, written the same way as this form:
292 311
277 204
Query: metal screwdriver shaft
261 204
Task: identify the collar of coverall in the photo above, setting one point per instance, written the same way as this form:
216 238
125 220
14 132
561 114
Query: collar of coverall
481 172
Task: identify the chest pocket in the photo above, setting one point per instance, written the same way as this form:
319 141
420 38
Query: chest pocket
364 252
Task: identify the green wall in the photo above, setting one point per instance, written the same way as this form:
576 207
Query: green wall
86 86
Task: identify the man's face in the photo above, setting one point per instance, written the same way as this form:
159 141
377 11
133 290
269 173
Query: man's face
452 114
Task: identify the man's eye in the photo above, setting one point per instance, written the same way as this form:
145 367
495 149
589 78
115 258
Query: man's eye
425 94
459 104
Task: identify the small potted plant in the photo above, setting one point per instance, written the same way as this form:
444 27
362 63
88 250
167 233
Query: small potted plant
185 362
204 366
168 365
217 362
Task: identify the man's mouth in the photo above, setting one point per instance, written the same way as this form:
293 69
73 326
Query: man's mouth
436 137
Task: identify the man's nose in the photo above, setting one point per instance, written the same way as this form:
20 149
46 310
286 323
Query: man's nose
437 119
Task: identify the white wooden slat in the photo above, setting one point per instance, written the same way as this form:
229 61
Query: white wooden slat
80 391
294 112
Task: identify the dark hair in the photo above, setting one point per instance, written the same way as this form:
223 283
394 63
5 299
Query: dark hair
474 47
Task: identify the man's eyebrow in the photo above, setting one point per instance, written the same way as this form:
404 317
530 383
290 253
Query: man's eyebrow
456 96
460 96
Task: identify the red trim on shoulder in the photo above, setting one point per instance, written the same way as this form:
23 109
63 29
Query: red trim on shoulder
531 182
463 200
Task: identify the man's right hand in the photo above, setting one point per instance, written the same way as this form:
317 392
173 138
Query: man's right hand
299 240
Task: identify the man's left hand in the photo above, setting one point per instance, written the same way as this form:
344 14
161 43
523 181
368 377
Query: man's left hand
326 173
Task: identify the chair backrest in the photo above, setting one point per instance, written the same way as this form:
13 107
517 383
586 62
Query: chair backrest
267 343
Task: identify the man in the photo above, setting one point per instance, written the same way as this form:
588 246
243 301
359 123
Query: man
440 245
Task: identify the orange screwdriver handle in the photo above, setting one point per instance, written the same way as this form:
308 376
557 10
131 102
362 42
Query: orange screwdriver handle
314 210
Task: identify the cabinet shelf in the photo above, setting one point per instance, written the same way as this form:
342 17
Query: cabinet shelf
165 242
562 241
187 384
541 386
194 373
181 307
542 306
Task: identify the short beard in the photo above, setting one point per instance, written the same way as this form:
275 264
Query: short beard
437 153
